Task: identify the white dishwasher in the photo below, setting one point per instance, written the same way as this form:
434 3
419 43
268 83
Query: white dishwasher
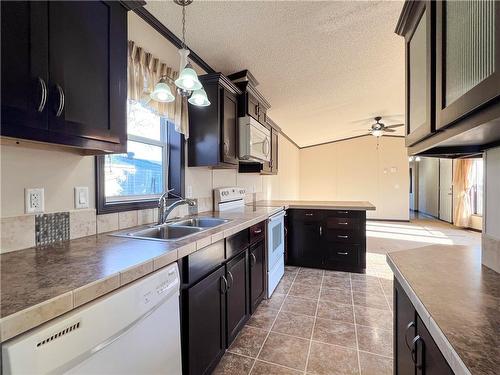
135 330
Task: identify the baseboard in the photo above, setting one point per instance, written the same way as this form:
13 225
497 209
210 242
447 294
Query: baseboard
474 230
395 220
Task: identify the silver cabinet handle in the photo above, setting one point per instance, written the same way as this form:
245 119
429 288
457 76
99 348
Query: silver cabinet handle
309 214
254 260
320 230
341 236
341 253
343 223
232 280
257 231
61 100
224 287
43 99
342 212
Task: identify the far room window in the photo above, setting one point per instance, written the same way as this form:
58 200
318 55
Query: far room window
476 191
140 174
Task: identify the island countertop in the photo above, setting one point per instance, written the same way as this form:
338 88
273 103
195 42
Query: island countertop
39 284
459 301
325 205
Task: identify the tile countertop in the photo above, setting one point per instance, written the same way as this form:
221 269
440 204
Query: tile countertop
328 205
459 301
39 284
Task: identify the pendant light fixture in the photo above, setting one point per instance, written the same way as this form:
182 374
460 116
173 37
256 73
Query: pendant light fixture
188 85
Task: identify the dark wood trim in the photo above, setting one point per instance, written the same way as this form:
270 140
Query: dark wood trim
244 74
176 160
132 4
171 37
401 26
395 220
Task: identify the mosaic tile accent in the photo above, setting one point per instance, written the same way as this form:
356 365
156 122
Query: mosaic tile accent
51 228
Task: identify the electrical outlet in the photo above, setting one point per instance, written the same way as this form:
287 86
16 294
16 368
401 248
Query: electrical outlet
34 200
81 197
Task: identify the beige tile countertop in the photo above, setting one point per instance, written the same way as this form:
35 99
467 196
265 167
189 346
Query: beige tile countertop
459 301
326 205
39 284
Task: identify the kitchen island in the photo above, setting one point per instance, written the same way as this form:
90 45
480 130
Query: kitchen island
447 311
324 234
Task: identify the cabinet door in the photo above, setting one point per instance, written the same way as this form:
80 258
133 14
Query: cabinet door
237 295
253 107
229 128
204 323
274 151
304 232
24 66
419 47
468 57
404 331
429 359
88 69
257 274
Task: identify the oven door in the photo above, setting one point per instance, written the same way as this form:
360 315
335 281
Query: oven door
276 239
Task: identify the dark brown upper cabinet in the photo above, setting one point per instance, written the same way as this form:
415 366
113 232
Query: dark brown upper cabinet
419 50
452 76
64 73
467 59
213 130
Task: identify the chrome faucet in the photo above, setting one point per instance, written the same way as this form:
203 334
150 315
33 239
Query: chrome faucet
164 210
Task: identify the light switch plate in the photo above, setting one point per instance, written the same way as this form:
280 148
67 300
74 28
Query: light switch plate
34 200
81 197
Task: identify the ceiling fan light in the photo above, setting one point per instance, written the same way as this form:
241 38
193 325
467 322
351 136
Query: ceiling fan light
162 92
199 98
377 132
188 79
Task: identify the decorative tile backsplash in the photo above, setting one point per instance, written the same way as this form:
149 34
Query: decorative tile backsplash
51 228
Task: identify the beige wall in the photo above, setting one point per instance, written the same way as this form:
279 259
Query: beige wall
357 170
428 186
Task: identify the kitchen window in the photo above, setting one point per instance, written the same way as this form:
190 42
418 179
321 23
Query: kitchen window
136 179
476 190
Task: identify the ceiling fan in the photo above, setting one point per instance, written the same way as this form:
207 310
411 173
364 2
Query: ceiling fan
378 129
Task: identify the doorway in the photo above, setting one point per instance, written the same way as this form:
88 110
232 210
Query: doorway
446 190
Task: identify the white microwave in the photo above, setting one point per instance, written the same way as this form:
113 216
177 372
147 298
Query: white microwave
255 140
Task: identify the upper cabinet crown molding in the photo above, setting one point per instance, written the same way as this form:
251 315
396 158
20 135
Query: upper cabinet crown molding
452 76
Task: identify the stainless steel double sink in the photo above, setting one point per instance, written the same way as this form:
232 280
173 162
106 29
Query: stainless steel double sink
174 230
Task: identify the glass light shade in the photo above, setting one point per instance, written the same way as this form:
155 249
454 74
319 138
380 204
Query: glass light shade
162 93
188 79
377 133
417 158
199 98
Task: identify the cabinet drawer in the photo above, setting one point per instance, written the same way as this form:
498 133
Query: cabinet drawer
338 253
341 223
257 232
342 236
237 243
202 262
306 215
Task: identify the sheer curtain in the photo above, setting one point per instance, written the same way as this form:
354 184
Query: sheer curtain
462 183
144 71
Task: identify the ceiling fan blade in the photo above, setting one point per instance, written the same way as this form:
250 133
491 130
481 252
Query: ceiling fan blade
389 130
394 126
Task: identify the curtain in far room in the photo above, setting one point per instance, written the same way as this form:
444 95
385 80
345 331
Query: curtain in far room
144 71
462 184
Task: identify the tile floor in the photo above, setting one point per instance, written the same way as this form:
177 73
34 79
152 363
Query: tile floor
327 322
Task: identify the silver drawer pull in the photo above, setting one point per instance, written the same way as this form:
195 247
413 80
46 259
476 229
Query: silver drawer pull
341 253
341 236
257 231
342 212
309 214
343 223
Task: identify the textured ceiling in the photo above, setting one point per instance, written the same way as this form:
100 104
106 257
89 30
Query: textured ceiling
323 66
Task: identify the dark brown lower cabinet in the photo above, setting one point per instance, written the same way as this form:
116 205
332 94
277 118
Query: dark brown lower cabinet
204 323
415 351
331 239
257 274
237 295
